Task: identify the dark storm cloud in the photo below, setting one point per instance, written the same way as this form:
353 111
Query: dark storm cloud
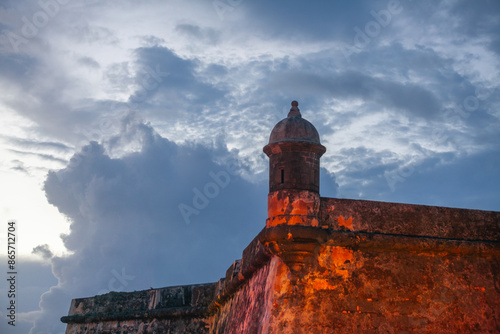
477 18
409 97
163 78
292 18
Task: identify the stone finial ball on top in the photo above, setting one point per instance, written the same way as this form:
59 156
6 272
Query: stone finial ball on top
294 110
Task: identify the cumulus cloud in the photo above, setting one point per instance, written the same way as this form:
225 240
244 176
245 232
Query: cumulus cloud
126 221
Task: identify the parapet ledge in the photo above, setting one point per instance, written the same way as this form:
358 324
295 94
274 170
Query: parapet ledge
409 219
283 240
169 302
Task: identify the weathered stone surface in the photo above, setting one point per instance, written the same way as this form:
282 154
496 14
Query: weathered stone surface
409 219
294 128
330 281
247 310
142 325
178 309
294 165
374 288
293 207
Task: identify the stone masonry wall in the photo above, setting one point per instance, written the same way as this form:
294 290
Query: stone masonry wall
409 219
364 283
178 309
368 267
247 311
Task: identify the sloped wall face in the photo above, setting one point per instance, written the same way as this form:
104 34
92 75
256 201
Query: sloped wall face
387 291
247 310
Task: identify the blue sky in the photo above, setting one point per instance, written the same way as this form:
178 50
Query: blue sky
117 114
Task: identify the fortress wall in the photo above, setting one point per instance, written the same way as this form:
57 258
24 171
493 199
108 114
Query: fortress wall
146 326
178 309
370 267
247 310
326 265
360 283
409 219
